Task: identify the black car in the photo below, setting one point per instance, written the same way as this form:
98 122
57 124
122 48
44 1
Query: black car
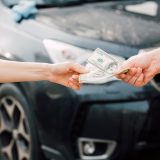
42 120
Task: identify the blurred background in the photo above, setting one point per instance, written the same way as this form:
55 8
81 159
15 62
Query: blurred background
107 120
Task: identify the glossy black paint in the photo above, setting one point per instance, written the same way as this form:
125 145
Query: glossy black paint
113 111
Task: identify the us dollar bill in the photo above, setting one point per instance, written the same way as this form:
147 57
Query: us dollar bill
95 76
104 61
103 67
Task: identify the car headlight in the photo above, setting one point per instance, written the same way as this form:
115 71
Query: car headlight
62 52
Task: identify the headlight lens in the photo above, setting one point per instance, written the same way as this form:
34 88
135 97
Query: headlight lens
62 52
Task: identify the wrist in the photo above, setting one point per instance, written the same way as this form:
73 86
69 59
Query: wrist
46 71
50 72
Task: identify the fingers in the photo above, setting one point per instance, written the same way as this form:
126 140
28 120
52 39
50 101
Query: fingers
130 63
130 75
121 76
127 76
74 82
78 68
140 81
75 77
134 77
73 85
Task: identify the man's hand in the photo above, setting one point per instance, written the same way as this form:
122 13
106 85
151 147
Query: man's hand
66 74
142 68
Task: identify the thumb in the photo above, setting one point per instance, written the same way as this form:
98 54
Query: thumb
126 65
78 68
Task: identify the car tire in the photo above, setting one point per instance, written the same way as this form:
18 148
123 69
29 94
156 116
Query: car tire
18 135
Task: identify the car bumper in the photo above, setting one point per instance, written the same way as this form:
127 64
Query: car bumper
112 112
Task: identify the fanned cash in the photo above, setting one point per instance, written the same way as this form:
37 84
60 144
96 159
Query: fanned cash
95 76
102 66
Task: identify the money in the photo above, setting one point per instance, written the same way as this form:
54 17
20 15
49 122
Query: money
104 61
103 67
95 76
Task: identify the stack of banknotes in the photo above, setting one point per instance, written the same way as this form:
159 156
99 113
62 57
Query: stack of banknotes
103 67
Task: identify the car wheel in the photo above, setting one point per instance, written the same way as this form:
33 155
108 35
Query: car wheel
18 137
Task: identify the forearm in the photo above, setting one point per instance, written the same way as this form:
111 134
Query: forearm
11 71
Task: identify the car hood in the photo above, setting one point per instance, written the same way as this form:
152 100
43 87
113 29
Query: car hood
105 21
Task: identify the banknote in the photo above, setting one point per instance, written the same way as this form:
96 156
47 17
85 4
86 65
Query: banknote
106 62
95 76
103 67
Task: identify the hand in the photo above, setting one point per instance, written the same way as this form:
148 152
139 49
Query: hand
66 74
142 68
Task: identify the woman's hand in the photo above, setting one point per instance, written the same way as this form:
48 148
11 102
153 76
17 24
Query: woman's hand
142 68
66 74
